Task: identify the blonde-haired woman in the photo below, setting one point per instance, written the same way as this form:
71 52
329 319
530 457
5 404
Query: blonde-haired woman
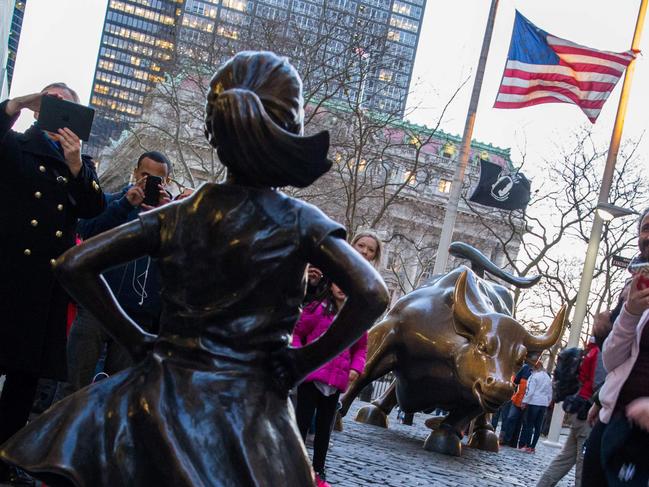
369 245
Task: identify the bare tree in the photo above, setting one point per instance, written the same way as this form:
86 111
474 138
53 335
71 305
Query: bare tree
411 262
386 173
559 218
378 160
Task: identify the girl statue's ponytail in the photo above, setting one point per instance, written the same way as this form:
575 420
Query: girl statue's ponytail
254 119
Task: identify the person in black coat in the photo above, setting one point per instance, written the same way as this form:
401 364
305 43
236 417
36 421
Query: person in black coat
135 284
46 185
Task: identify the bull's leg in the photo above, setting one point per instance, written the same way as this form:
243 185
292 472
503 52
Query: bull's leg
483 437
447 438
380 361
377 413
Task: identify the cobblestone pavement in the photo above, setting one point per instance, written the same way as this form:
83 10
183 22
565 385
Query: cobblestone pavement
364 455
368 456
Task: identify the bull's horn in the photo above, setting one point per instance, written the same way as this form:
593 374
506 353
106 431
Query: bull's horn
461 311
540 343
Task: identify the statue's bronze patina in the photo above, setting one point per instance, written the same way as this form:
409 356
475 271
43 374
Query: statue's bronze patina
207 402
452 344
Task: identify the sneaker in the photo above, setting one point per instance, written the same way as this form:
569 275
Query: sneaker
320 482
531 450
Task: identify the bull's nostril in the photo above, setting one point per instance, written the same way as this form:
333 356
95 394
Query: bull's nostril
490 380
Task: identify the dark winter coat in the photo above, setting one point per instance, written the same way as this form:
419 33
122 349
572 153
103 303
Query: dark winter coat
40 201
136 284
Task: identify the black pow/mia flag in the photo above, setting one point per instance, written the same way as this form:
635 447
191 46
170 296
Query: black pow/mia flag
500 188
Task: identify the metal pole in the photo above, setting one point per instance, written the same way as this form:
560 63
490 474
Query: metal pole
607 180
596 231
458 176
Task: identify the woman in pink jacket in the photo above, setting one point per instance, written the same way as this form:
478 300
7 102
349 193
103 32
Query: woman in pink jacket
623 398
321 389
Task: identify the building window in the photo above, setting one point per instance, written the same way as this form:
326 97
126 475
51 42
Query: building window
240 5
385 75
235 18
102 89
227 32
394 35
404 23
198 23
444 186
362 165
200 8
415 141
448 150
410 178
482 156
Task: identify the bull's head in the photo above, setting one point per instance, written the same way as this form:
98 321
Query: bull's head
497 345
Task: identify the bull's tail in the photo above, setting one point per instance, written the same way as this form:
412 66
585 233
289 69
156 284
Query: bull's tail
480 263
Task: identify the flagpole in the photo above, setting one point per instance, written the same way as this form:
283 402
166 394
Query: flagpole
458 177
596 231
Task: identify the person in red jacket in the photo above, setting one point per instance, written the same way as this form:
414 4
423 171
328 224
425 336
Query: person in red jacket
587 370
320 391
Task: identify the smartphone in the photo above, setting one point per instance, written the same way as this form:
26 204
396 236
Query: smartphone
152 190
643 270
56 114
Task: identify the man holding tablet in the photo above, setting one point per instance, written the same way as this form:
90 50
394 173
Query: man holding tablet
46 185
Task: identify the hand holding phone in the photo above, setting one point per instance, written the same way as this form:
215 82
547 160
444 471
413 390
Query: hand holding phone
638 300
643 282
641 270
152 190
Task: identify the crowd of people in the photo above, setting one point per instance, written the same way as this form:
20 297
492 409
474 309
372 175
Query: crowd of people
53 200
608 414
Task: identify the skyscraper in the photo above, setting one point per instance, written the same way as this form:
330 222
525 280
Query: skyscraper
373 42
136 46
11 34
359 50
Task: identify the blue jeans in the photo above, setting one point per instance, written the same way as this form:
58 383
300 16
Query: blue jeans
511 425
532 423
503 412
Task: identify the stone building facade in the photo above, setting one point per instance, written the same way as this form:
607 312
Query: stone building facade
396 180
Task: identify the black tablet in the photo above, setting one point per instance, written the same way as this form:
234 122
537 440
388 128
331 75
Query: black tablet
56 114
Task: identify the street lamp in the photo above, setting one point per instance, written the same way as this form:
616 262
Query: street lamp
603 212
608 211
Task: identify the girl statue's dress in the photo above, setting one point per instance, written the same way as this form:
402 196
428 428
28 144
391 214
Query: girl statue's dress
207 403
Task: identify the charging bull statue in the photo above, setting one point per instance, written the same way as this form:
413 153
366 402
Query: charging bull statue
452 344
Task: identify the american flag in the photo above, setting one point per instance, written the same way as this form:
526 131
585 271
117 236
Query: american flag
542 68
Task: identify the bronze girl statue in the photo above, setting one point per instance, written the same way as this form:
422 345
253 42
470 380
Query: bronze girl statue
206 404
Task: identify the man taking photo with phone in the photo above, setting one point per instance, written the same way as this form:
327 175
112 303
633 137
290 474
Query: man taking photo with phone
134 284
46 185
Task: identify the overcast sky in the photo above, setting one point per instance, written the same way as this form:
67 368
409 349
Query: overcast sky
60 39
449 49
